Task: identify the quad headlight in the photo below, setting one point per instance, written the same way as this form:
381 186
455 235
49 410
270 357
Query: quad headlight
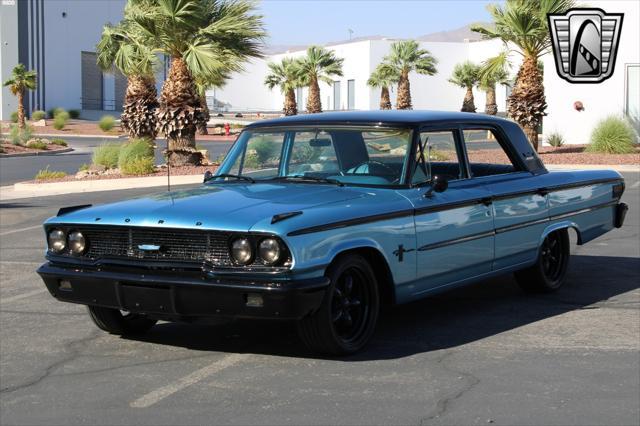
57 240
270 251
77 242
241 251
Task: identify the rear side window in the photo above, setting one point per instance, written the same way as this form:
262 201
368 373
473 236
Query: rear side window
436 155
486 156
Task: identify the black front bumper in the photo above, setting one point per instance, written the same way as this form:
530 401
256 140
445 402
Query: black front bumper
175 297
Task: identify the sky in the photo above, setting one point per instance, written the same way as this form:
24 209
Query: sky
292 22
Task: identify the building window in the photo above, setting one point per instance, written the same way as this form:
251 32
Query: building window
631 96
336 95
351 94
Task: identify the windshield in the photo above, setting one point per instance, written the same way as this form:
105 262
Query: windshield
339 155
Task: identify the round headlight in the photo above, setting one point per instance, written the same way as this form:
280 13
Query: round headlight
57 240
270 251
241 251
77 242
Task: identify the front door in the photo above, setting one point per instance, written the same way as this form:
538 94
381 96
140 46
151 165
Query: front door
454 228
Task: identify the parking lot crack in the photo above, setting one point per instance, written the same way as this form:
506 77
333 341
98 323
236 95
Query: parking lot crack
74 351
444 404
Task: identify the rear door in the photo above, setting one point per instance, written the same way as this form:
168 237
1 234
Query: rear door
454 228
520 205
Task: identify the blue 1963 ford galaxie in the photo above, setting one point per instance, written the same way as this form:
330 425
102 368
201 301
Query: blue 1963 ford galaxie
324 218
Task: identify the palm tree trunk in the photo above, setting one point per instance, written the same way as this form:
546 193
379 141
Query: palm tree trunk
467 104
491 107
385 99
138 117
202 127
290 105
180 114
21 122
314 104
527 103
404 92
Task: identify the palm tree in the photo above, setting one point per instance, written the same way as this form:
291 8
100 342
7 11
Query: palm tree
466 75
383 77
523 23
21 80
121 48
492 73
405 57
203 83
319 65
285 75
202 37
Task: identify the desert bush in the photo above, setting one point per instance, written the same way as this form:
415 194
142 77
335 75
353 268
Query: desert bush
58 141
613 135
107 122
136 157
20 136
14 117
555 139
52 112
138 166
74 113
36 144
84 167
49 174
264 149
38 115
106 155
60 120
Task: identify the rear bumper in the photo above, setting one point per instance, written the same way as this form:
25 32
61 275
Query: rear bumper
178 297
621 213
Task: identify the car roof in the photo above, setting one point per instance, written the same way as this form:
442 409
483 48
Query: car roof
393 117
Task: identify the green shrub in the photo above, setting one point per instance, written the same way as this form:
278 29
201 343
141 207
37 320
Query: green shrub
83 168
138 166
20 136
264 149
14 117
58 141
49 174
36 144
74 113
613 135
555 139
60 119
106 155
53 112
38 115
107 122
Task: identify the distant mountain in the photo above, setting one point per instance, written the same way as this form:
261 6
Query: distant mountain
451 36
457 35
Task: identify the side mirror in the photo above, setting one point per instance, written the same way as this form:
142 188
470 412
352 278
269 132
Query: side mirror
207 176
438 184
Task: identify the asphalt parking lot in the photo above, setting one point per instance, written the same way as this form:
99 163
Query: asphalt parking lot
486 354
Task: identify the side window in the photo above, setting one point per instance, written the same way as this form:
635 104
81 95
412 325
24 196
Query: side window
486 155
436 155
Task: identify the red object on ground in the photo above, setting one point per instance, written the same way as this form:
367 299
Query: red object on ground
227 129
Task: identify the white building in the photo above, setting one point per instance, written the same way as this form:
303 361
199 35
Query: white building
57 38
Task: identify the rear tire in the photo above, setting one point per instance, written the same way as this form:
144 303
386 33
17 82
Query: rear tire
116 322
549 272
347 317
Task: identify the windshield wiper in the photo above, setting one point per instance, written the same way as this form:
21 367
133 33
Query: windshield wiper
229 175
308 178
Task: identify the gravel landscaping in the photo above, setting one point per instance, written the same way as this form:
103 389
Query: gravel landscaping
115 174
9 149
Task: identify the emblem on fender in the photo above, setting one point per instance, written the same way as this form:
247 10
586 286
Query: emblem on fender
585 44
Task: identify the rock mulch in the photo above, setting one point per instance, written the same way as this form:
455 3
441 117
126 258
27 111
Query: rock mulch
9 149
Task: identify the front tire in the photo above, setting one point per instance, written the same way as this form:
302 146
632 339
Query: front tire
115 321
347 317
549 272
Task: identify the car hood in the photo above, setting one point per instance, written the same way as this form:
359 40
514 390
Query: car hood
228 206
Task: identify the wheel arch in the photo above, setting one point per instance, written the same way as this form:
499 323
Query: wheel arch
380 267
568 225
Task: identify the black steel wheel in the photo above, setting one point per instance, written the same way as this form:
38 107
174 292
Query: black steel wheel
347 317
120 322
549 271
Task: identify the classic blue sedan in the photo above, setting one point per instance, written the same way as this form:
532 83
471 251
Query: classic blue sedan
324 218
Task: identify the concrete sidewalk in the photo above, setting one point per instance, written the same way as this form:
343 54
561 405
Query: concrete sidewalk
30 190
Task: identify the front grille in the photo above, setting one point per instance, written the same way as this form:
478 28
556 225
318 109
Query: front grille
177 245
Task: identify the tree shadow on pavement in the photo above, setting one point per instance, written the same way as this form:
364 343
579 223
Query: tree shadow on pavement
444 321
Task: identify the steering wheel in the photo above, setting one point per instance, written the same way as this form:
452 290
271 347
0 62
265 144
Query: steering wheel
383 169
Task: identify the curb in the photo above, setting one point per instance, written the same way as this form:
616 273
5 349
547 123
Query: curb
31 154
71 135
